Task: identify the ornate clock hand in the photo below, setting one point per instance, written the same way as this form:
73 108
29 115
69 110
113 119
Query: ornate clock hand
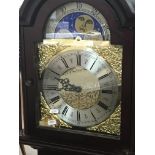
71 87
78 89
67 86
63 81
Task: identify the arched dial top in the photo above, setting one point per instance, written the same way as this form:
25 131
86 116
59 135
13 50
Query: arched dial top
81 85
77 19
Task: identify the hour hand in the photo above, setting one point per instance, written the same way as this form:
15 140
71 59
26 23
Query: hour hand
67 86
77 89
71 87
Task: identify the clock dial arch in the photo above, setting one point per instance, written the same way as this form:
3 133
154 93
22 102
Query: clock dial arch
77 19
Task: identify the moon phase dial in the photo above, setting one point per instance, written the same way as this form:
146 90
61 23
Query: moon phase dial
82 86
77 19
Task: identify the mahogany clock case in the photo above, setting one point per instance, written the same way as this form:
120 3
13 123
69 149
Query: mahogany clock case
33 17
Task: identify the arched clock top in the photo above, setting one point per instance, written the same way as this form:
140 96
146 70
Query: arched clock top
30 9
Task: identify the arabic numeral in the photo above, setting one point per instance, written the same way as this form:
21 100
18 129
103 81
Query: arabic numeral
105 26
95 12
63 9
79 5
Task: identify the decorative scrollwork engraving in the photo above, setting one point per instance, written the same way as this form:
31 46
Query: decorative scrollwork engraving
113 55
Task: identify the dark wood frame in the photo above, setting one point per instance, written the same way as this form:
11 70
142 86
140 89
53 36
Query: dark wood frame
33 16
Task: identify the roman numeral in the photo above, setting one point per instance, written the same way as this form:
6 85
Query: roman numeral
107 91
78 116
79 60
93 64
55 99
65 63
51 87
65 110
103 76
101 104
79 5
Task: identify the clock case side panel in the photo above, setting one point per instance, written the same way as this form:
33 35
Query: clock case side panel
32 27
124 11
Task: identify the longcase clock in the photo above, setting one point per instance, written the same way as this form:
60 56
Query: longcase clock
77 76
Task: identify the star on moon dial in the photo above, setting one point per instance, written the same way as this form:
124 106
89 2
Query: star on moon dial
81 85
77 19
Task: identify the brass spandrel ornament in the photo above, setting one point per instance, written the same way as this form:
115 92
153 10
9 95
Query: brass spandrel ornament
113 55
46 115
46 52
111 125
80 103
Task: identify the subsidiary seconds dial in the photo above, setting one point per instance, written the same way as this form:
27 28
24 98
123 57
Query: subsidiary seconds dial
81 85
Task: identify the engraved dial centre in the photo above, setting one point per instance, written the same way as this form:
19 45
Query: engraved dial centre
87 82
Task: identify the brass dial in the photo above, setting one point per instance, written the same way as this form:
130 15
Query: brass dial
81 85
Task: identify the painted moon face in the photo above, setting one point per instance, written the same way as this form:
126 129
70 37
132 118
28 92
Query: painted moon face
84 24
